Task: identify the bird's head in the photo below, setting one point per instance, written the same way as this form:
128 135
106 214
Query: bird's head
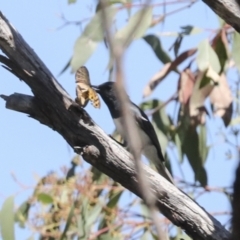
107 91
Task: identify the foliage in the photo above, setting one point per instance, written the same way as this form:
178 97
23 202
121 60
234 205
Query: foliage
87 205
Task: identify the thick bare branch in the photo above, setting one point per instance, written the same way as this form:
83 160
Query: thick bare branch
228 10
52 106
236 206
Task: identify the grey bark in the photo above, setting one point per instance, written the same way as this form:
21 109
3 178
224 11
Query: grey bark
53 107
228 10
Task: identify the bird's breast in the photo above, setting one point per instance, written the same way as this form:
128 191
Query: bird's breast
145 140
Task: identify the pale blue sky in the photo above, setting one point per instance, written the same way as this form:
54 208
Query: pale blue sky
28 148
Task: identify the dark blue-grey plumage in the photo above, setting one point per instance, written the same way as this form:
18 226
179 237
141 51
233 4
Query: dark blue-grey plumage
149 141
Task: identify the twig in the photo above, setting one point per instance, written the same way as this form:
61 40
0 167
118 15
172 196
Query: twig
129 123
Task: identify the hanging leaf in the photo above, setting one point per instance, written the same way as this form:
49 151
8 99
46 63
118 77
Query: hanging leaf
94 29
146 235
114 198
199 93
7 219
190 147
21 214
156 46
68 222
207 57
167 68
83 50
236 49
220 44
178 144
93 34
176 45
134 30
203 148
221 100
93 214
185 85
65 68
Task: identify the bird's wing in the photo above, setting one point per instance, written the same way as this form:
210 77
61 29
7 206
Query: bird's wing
143 121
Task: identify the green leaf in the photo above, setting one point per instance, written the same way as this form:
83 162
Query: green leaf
236 49
7 219
162 138
145 17
108 236
144 211
221 51
207 57
21 214
149 105
221 21
94 29
204 81
146 235
203 148
114 198
65 67
44 198
178 146
68 223
72 1
156 46
83 50
93 214
93 34
190 147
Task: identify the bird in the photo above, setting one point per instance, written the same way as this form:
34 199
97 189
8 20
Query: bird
150 145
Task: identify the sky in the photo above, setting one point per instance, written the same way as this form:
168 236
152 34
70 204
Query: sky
29 150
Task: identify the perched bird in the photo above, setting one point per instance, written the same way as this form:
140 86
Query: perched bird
149 142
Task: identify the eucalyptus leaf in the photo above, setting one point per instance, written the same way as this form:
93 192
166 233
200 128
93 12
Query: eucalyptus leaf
94 29
7 219
179 147
146 235
114 198
21 214
83 50
236 49
203 148
156 46
207 57
44 198
93 214
134 30
221 51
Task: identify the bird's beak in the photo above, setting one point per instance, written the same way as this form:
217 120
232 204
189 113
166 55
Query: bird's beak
95 88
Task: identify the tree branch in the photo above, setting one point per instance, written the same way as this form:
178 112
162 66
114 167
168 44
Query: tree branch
228 10
236 206
52 106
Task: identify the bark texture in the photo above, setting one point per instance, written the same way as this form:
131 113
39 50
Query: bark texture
53 107
228 10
